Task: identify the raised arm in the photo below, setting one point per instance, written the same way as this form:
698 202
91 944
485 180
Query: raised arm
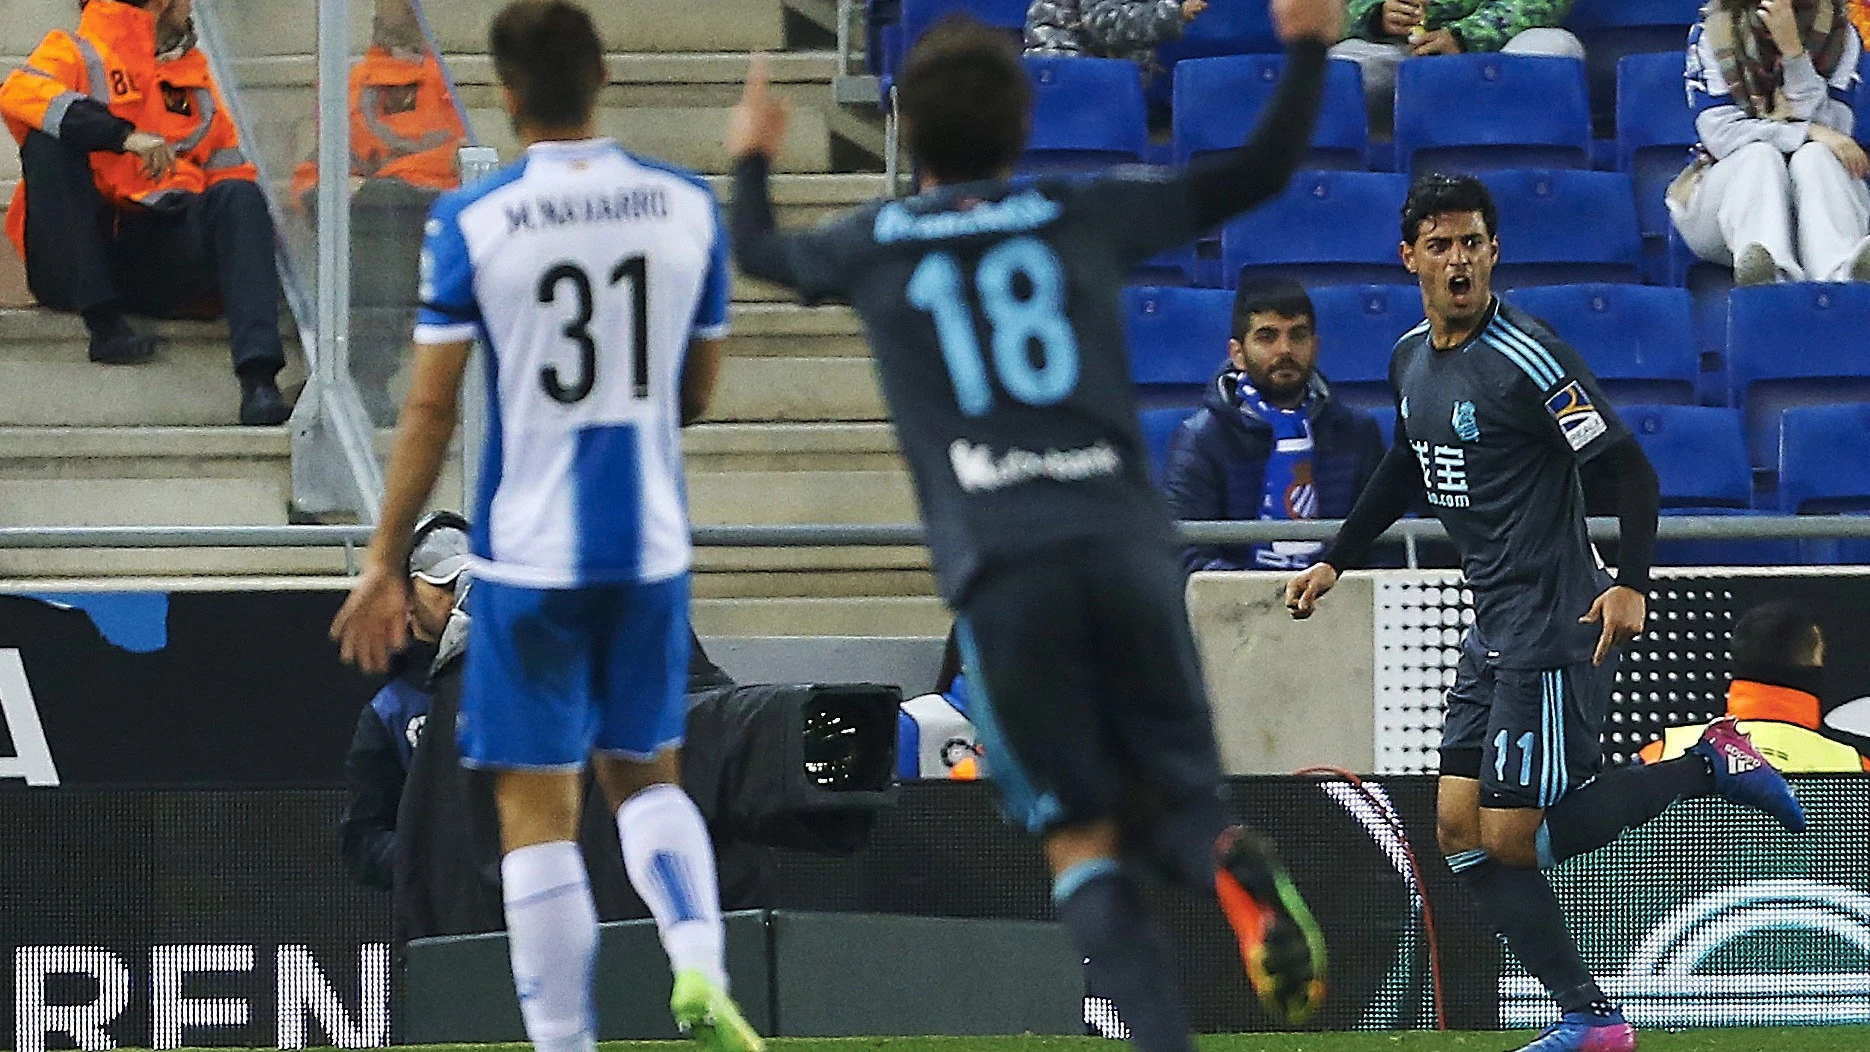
755 131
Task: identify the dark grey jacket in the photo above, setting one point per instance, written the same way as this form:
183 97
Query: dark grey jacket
1130 29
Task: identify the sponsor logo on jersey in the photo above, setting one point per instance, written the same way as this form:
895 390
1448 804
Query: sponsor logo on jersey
1444 474
1466 426
979 471
1027 210
1577 417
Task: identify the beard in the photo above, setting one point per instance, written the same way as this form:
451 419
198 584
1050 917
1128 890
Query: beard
1274 390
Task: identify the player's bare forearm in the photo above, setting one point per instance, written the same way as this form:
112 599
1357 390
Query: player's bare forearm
700 370
1392 488
423 430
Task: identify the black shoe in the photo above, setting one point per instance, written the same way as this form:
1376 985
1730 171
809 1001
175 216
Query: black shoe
261 404
123 348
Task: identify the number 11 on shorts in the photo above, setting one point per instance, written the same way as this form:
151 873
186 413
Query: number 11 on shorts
1525 757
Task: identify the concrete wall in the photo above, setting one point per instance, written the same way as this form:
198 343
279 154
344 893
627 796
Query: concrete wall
1287 694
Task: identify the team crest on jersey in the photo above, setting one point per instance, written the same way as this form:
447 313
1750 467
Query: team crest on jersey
1577 417
1466 426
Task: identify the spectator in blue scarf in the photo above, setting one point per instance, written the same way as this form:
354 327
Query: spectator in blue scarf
1269 442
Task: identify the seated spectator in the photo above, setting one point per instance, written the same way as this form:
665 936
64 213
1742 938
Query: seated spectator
377 767
405 133
1131 29
135 195
1269 442
1771 86
1379 34
1779 659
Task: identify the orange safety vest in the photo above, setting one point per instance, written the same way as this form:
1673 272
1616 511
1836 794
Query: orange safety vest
404 124
112 59
1783 724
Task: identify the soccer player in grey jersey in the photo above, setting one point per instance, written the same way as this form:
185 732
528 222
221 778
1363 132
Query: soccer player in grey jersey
1503 430
991 307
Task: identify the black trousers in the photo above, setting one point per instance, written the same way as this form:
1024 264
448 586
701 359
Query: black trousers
82 253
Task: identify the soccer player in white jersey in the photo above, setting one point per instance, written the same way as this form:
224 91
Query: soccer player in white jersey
598 284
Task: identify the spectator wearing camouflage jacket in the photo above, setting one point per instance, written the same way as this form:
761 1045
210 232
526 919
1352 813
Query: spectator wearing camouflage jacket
1131 29
1379 34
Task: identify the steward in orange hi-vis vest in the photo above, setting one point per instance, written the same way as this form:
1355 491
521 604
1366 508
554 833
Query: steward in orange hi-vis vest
135 195
112 60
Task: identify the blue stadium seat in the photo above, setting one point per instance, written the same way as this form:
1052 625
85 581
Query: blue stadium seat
1824 458
1700 456
1793 345
1159 427
1358 326
1328 228
1086 113
919 15
1561 227
1699 453
1654 132
1474 113
1637 339
1824 468
1614 29
1235 27
1177 340
1217 101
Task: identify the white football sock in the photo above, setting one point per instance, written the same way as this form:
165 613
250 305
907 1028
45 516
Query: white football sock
551 927
671 864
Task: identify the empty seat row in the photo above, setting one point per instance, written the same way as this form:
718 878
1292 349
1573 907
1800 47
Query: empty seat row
1556 227
1789 345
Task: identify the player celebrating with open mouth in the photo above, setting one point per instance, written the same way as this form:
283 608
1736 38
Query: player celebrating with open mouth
1502 428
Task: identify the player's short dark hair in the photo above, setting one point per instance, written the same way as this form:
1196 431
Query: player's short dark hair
1437 194
548 52
1286 298
966 105
1775 633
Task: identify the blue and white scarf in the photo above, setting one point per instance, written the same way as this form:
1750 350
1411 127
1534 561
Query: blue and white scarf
1287 491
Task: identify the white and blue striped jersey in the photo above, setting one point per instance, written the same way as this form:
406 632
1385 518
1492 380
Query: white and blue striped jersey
584 271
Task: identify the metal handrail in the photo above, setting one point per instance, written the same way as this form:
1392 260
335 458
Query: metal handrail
824 535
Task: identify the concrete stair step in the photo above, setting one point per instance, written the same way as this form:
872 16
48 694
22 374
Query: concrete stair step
675 106
46 379
829 496
790 447
787 330
737 25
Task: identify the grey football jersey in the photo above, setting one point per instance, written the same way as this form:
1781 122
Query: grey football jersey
992 311
1499 426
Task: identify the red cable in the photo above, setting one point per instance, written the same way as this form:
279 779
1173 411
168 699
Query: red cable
1383 808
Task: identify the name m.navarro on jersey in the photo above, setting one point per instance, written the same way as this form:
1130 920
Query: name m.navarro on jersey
626 205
